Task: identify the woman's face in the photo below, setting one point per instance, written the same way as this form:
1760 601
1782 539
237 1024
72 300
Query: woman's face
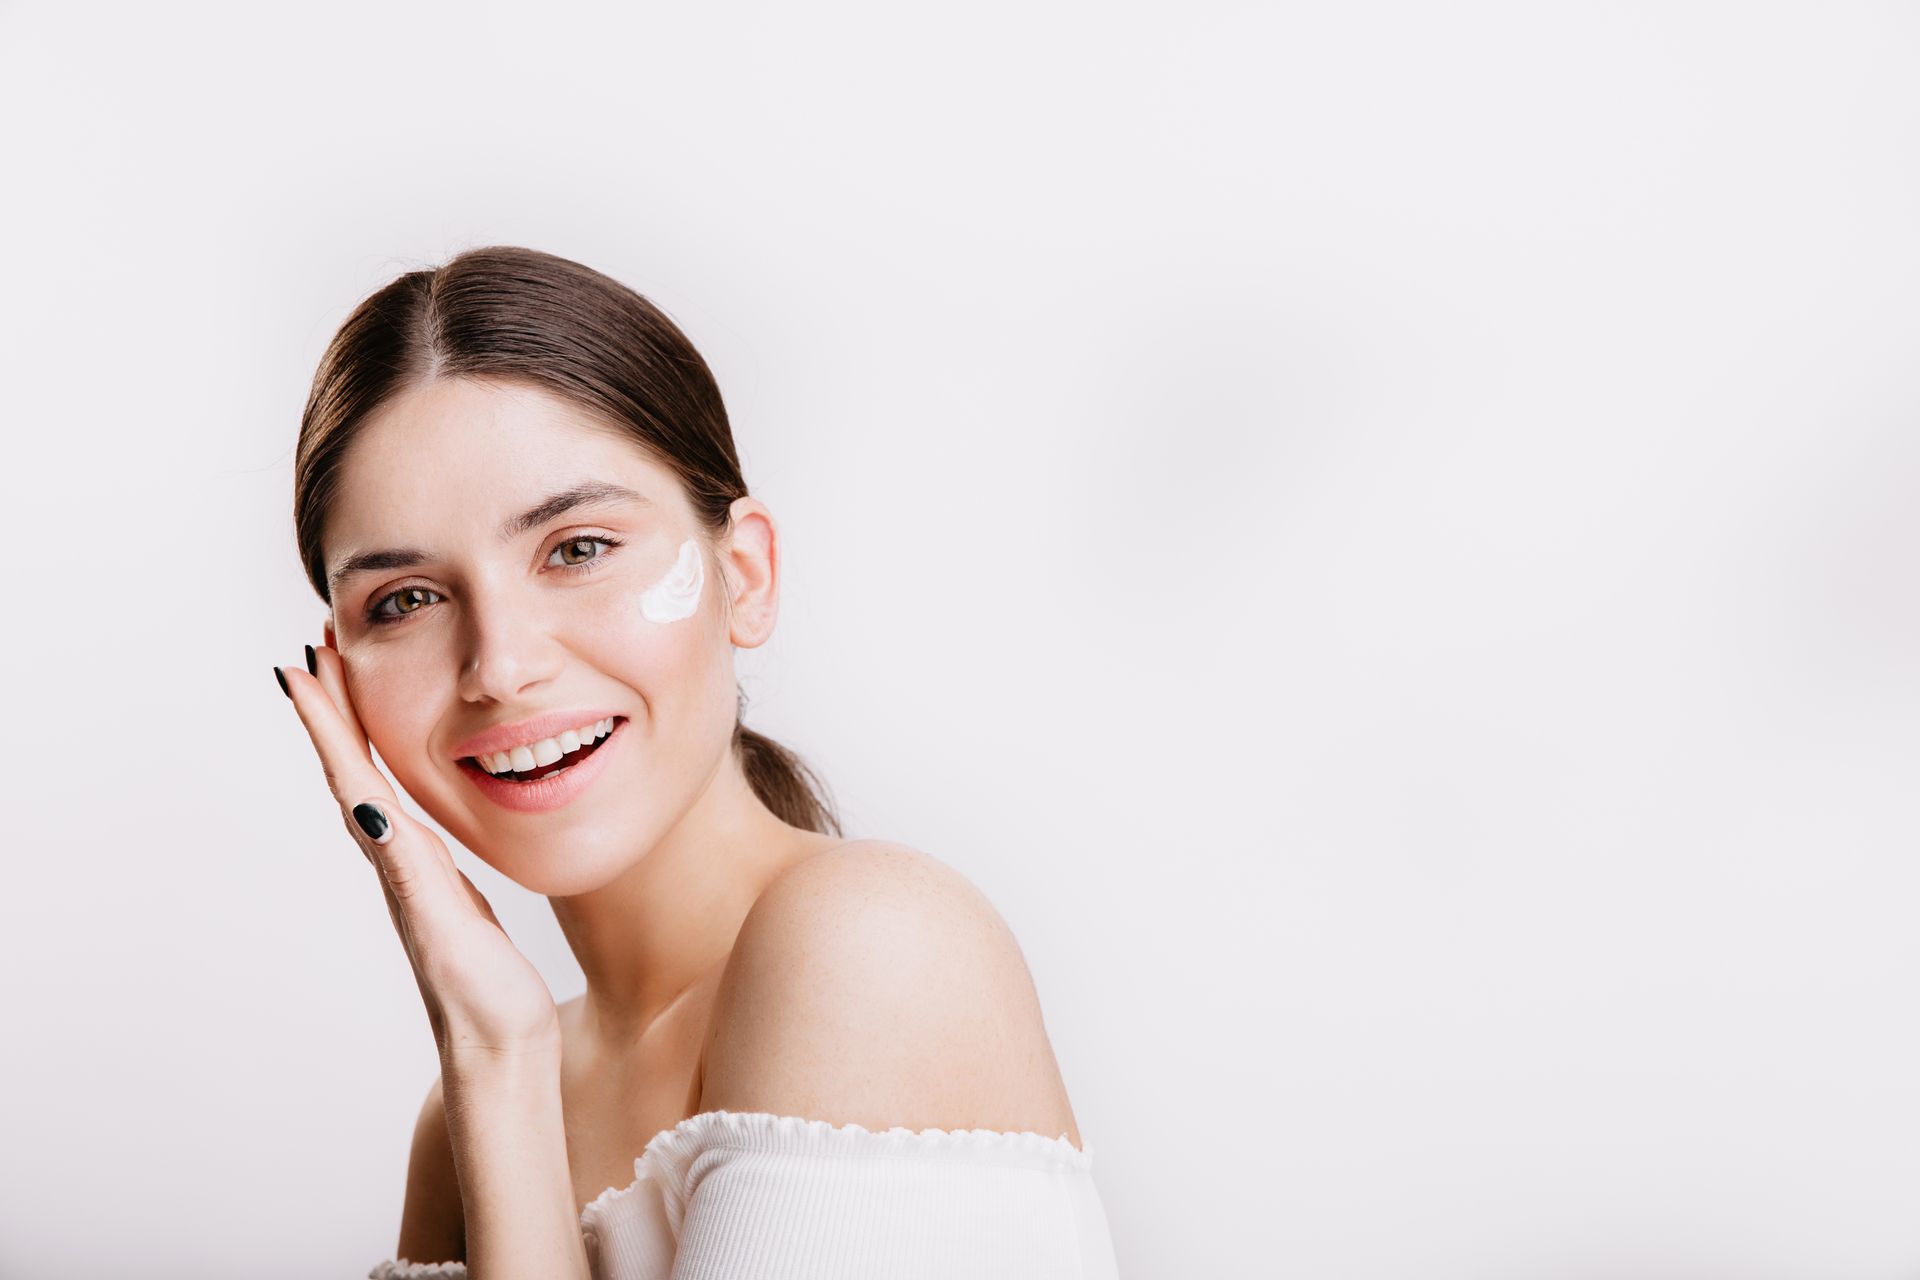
503 618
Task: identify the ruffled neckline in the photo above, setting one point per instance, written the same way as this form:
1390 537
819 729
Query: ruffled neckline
762 1130
401 1269
662 1164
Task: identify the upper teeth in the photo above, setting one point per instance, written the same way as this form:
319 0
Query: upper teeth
534 754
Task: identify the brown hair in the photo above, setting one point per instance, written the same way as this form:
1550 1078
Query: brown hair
519 314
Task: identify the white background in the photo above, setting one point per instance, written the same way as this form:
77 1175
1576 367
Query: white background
1381 536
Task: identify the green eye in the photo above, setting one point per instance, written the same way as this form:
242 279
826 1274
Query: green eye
574 553
406 600
574 544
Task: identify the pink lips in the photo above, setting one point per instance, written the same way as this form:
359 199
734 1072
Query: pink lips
548 724
556 789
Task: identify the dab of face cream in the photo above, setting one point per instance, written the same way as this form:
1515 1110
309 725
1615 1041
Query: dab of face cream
677 595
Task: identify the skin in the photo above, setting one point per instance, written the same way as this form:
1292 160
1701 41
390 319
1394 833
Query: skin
732 961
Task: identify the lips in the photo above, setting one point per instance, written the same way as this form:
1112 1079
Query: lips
555 788
527 772
548 724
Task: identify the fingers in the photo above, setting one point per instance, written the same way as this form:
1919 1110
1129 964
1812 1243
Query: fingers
393 850
325 665
324 662
366 800
373 820
415 869
342 746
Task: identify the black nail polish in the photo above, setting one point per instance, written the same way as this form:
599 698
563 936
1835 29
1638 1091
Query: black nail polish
313 665
371 821
281 677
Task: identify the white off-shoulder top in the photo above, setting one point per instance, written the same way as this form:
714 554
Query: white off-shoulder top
728 1195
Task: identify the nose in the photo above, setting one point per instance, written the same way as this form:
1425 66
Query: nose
506 650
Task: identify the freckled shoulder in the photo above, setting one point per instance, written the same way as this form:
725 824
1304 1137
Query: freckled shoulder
873 984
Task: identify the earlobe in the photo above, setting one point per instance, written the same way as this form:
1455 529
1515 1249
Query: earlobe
753 605
326 634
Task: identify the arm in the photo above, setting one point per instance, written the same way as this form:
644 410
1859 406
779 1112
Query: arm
431 1226
875 985
491 1013
490 1134
880 1096
510 1154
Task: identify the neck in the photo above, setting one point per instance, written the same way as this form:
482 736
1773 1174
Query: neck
647 937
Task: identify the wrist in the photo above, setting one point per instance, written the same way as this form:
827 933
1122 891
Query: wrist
470 1057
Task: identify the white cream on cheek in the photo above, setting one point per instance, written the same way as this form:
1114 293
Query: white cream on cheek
677 594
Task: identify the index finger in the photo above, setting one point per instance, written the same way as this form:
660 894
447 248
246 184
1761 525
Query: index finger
327 667
344 757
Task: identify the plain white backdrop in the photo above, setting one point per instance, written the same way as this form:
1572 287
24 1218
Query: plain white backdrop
1382 537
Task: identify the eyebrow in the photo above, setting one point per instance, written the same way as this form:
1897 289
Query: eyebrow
586 493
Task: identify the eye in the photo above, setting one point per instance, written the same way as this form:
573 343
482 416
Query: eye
407 600
567 550
574 553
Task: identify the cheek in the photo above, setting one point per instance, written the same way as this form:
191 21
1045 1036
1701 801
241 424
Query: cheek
616 628
680 591
390 690
664 638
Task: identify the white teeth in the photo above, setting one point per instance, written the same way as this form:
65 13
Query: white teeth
532 755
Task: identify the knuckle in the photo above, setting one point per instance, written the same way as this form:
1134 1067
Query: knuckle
402 879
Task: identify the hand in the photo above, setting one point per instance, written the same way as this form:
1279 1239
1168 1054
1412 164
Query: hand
482 995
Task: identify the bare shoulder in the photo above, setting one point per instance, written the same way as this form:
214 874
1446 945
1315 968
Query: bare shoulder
432 1222
873 984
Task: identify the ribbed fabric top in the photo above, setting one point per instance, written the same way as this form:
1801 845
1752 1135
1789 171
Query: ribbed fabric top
727 1195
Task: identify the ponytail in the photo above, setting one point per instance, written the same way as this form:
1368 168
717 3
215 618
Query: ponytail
783 782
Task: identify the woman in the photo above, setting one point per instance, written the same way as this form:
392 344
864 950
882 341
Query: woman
517 491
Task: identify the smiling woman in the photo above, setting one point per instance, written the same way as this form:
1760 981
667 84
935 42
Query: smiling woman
517 491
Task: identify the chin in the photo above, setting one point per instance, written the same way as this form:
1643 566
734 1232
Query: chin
563 878
560 863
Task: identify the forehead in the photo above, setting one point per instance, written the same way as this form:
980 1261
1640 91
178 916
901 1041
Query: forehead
458 455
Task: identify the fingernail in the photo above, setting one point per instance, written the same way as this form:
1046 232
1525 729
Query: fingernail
373 822
281 677
313 667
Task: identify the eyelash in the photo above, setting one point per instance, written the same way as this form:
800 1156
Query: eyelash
379 619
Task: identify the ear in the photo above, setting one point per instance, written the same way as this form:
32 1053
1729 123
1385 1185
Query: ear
327 636
751 557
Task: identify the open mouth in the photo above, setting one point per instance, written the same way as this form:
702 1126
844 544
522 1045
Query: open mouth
566 761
